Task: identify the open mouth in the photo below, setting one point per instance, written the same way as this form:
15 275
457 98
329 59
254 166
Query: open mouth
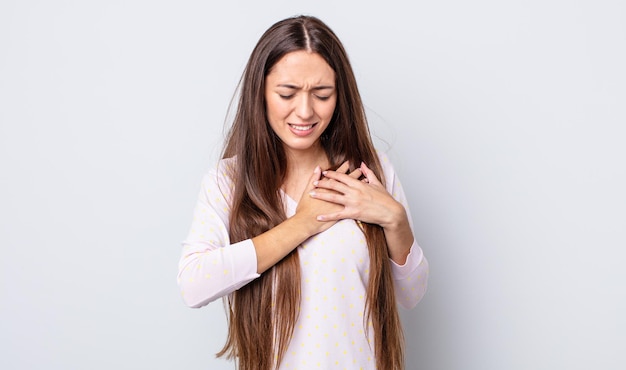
302 127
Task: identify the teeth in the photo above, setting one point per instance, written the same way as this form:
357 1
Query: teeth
302 128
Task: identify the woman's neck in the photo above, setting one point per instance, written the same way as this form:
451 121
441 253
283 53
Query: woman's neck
304 161
300 166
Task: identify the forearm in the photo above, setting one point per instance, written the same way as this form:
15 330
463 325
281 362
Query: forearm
207 272
276 243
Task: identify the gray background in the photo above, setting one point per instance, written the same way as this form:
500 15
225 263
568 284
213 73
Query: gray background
505 121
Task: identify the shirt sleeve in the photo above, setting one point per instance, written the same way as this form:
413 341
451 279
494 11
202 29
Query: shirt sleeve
410 279
210 266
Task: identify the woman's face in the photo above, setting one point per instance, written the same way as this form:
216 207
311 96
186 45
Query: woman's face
300 95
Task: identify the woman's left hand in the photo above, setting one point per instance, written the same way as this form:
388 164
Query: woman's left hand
365 200
368 201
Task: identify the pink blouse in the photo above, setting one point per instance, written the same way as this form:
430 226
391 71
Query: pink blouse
330 331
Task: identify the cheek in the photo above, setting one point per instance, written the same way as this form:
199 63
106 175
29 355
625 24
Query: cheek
276 108
328 111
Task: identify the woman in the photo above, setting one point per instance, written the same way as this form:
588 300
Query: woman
312 260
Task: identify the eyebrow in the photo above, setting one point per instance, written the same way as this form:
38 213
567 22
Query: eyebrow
316 88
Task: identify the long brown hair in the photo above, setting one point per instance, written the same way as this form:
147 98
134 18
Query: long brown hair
261 326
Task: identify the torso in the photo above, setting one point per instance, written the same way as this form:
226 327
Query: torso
329 332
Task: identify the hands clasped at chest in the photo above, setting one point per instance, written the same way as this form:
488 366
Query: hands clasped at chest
358 195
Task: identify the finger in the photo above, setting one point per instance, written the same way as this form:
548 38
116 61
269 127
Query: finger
340 178
356 173
345 166
315 177
369 175
332 217
343 169
327 196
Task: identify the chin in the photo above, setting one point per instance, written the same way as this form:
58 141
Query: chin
301 146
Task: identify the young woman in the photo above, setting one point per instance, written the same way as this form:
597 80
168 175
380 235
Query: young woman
302 225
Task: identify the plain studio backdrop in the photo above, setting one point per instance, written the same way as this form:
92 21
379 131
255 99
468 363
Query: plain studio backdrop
505 120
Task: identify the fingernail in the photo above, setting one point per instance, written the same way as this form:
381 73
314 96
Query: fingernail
315 183
312 193
324 173
320 218
317 169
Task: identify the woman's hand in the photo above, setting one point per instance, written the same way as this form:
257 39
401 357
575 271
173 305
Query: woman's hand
365 200
309 208
368 201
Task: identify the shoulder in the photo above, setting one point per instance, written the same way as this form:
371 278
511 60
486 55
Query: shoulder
387 168
225 168
221 176
385 163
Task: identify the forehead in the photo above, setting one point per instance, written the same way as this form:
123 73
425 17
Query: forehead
301 67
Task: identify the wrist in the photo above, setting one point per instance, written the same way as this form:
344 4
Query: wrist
397 218
301 227
399 235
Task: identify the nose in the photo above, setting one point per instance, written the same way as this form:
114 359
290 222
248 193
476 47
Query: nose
304 107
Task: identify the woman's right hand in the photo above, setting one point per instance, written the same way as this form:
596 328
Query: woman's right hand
310 208
274 244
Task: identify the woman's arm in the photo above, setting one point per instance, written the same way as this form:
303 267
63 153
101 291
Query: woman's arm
273 245
369 201
211 267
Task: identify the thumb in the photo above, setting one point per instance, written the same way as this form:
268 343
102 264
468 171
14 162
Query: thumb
316 176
